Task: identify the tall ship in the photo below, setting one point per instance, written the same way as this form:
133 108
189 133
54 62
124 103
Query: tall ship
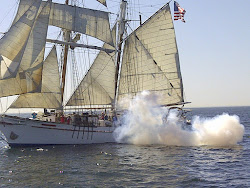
82 106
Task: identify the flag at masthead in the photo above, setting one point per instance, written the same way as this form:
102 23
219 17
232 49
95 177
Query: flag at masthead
178 12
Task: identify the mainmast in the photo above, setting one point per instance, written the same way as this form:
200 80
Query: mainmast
121 29
66 35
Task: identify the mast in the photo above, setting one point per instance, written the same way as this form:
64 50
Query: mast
66 35
121 30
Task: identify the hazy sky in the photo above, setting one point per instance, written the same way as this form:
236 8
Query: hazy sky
214 48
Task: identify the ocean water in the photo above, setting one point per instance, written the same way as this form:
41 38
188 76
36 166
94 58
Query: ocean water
129 165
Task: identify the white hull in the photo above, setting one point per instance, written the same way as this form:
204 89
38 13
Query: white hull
33 132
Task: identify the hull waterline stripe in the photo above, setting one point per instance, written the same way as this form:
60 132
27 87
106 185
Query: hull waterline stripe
61 129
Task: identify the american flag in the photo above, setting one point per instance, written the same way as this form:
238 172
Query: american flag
178 12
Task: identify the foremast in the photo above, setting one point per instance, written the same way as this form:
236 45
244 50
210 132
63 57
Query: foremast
66 35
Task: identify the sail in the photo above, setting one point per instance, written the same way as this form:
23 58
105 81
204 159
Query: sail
94 23
29 68
151 60
14 41
98 85
33 56
50 96
102 2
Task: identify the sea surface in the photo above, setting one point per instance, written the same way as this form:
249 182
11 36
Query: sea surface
127 165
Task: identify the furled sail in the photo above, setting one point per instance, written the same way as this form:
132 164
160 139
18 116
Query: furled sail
151 61
98 85
94 23
50 96
13 43
29 67
103 2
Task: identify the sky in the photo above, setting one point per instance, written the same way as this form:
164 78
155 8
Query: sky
213 44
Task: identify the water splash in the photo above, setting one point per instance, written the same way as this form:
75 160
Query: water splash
145 123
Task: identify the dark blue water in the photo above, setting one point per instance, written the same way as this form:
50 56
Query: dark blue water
123 165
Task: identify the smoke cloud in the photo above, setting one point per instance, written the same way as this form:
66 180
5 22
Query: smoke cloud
145 122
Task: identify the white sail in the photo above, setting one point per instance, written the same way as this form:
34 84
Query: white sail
150 60
94 23
102 2
33 56
50 96
29 69
98 85
14 41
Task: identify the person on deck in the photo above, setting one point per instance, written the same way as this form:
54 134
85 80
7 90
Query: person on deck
106 117
102 116
62 119
68 120
34 114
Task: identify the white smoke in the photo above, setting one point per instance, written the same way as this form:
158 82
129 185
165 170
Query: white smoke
145 123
